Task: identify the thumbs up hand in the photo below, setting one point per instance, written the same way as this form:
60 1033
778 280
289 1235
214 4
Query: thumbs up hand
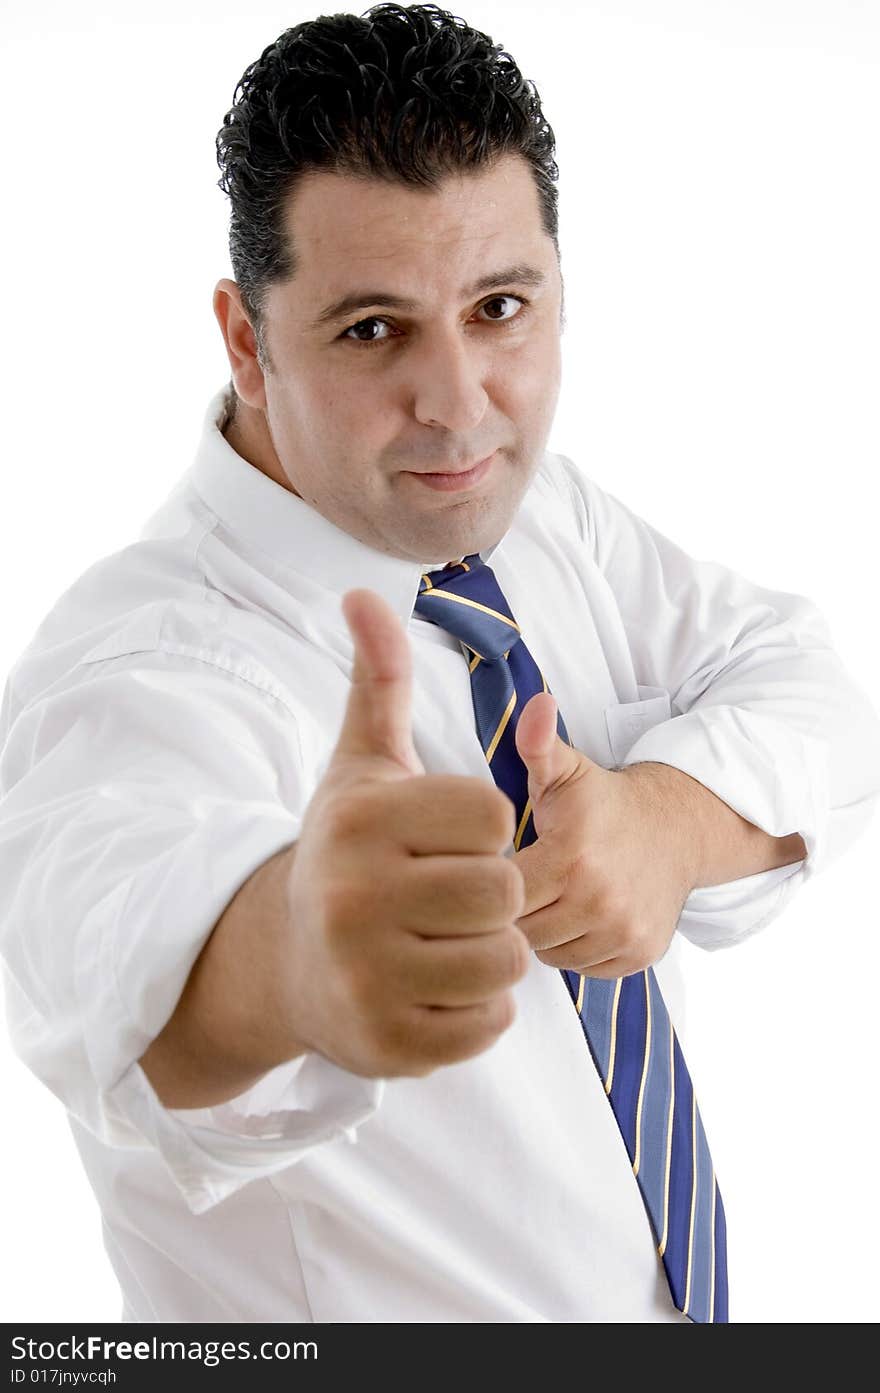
401 903
376 737
612 866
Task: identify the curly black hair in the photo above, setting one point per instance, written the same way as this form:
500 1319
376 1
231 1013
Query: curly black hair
406 93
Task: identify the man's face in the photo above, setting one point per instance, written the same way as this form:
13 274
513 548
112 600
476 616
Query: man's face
446 352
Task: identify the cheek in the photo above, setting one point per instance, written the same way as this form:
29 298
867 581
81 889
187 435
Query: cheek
351 410
532 383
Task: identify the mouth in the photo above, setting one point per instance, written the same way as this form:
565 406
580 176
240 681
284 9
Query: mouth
452 481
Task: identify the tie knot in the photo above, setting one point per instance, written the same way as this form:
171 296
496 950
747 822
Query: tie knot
464 598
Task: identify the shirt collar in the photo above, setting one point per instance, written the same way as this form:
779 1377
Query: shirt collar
278 522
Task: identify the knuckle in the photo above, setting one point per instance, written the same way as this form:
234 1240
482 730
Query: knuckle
420 1068
630 934
516 888
495 1017
500 814
392 1042
625 966
502 884
503 1013
402 1047
640 954
343 902
484 1025
518 955
610 903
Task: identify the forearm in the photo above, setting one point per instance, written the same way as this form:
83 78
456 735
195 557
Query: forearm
223 1035
723 846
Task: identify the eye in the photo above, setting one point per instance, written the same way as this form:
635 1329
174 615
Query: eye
373 319
499 299
353 332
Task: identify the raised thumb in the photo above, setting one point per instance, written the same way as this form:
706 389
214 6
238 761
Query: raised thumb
378 716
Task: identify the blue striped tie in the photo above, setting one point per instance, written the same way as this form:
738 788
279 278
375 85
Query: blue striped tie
625 1022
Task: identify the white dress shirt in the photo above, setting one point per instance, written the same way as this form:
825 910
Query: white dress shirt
162 734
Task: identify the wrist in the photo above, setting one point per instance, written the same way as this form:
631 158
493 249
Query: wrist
676 806
711 842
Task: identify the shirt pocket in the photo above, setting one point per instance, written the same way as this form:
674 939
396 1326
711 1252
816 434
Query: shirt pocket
627 720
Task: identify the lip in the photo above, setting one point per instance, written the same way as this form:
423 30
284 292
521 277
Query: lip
453 483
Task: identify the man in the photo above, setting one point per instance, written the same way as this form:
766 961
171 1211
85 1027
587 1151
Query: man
292 941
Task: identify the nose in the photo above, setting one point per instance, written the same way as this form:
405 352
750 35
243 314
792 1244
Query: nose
447 384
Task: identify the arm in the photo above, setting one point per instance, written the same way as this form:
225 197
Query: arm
727 845
762 713
213 1047
139 797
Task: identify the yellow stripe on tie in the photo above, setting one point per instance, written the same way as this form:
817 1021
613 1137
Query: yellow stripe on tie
580 1000
662 1249
501 725
477 659
429 584
712 1251
644 1073
522 824
687 1290
484 609
610 1078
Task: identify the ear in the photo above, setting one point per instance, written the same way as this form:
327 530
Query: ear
241 344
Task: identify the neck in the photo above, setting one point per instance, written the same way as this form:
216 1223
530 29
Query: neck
248 434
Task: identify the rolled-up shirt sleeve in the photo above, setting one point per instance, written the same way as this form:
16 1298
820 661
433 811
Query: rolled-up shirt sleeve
761 708
136 797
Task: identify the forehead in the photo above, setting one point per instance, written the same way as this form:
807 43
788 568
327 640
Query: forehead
343 226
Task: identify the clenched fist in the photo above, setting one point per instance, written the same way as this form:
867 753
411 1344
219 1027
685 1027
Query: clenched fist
402 905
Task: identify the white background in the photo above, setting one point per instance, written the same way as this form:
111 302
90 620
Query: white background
720 221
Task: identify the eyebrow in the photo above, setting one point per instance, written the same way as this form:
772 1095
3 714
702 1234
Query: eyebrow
518 274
